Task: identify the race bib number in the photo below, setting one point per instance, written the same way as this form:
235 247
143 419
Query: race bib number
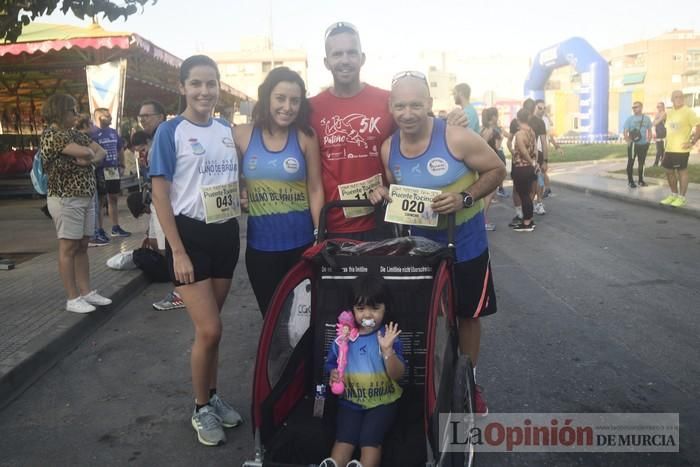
112 173
411 206
221 202
358 190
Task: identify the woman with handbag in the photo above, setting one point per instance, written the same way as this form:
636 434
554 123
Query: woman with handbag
68 157
637 134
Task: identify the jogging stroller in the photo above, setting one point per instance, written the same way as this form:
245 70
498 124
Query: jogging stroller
294 425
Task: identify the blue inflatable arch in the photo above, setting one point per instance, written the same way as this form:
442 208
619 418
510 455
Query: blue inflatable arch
593 95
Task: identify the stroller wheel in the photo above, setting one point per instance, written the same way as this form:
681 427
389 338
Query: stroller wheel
464 387
463 402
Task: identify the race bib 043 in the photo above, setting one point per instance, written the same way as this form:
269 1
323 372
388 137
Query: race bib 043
411 206
221 202
358 190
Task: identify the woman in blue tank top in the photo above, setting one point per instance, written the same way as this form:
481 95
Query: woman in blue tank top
281 167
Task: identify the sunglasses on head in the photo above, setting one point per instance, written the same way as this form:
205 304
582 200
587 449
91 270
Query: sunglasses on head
408 74
344 25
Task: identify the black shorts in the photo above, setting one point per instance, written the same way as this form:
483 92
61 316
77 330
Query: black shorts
364 427
476 296
212 248
675 160
106 186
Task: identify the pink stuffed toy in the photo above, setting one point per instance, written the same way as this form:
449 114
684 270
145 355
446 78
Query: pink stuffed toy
346 329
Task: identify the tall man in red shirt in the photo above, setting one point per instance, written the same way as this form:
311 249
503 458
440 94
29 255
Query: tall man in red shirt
351 120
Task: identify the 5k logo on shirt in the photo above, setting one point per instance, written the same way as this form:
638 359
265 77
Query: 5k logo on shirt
350 129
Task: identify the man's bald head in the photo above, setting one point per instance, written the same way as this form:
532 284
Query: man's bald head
416 84
410 103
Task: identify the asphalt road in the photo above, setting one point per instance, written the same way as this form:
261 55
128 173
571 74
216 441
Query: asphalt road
598 312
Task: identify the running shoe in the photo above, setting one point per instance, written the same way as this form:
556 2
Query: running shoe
539 209
207 424
328 462
667 201
93 298
172 301
119 232
354 463
642 183
98 240
680 201
547 192
632 185
480 402
490 227
228 415
525 228
516 221
79 305
501 192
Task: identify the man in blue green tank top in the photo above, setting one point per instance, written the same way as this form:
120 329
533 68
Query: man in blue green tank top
425 153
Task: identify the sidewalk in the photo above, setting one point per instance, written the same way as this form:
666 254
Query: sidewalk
595 177
35 329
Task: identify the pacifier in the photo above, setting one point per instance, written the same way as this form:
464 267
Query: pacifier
368 323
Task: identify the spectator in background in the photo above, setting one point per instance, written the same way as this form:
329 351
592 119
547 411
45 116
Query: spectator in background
637 134
524 169
68 157
493 135
108 176
529 107
660 132
549 127
84 124
462 94
138 147
151 115
681 121
537 125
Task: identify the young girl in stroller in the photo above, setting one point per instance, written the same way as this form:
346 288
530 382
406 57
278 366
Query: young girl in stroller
371 364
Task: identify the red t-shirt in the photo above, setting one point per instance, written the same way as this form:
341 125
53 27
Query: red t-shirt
350 132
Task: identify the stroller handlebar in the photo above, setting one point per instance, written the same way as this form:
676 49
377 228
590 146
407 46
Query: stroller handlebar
361 203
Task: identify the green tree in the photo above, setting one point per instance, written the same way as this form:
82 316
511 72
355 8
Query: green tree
15 14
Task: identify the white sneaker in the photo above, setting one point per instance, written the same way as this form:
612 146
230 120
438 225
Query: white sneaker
539 209
328 462
93 298
79 305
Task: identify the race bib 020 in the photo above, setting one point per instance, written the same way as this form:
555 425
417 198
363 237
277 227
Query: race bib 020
358 190
411 206
221 202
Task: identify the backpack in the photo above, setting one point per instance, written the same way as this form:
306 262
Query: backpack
39 178
152 263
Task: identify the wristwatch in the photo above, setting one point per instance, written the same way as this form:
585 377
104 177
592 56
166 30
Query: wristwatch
467 200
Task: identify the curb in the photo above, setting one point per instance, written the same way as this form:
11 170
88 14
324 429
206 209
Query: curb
641 202
44 352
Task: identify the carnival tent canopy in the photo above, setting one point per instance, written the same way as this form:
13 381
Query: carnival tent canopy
49 58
